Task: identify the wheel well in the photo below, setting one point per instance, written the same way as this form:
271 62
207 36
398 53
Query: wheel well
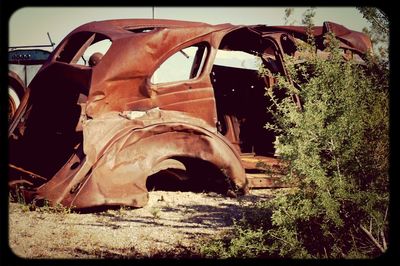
16 83
198 176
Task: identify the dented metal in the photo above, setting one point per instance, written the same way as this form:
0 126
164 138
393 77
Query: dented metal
98 131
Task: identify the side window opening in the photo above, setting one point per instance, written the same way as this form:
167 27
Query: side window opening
185 64
240 92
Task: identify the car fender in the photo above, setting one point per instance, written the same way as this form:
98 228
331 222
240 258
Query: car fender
123 149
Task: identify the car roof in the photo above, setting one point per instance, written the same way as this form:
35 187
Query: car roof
116 27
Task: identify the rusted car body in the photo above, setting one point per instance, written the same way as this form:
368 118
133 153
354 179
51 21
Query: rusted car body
89 136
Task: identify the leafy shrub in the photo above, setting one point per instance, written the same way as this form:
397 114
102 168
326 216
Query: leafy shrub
337 151
245 243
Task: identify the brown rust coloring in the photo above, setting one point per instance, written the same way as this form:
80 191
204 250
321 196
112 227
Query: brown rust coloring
97 130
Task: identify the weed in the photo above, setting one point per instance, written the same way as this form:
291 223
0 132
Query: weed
156 212
57 209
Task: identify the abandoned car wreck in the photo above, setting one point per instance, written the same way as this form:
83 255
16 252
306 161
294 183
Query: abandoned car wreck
165 101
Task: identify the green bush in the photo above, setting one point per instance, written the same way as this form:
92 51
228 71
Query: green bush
245 243
247 239
337 151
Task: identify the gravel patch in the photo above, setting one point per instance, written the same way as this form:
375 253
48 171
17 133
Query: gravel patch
170 223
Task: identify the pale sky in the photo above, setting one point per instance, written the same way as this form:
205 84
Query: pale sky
29 25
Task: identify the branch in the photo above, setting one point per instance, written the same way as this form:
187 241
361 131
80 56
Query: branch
379 24
373 239
382 233
281 239
371 15
383 240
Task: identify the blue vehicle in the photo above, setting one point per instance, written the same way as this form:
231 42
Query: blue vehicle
23 64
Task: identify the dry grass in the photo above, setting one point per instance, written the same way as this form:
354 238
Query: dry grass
171 225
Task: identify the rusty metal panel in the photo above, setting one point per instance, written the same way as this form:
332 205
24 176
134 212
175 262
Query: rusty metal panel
122 152
349 39
262 180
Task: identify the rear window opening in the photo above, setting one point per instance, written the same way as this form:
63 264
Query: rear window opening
82 45
98 47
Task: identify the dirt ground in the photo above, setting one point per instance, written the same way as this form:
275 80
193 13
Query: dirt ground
172 224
